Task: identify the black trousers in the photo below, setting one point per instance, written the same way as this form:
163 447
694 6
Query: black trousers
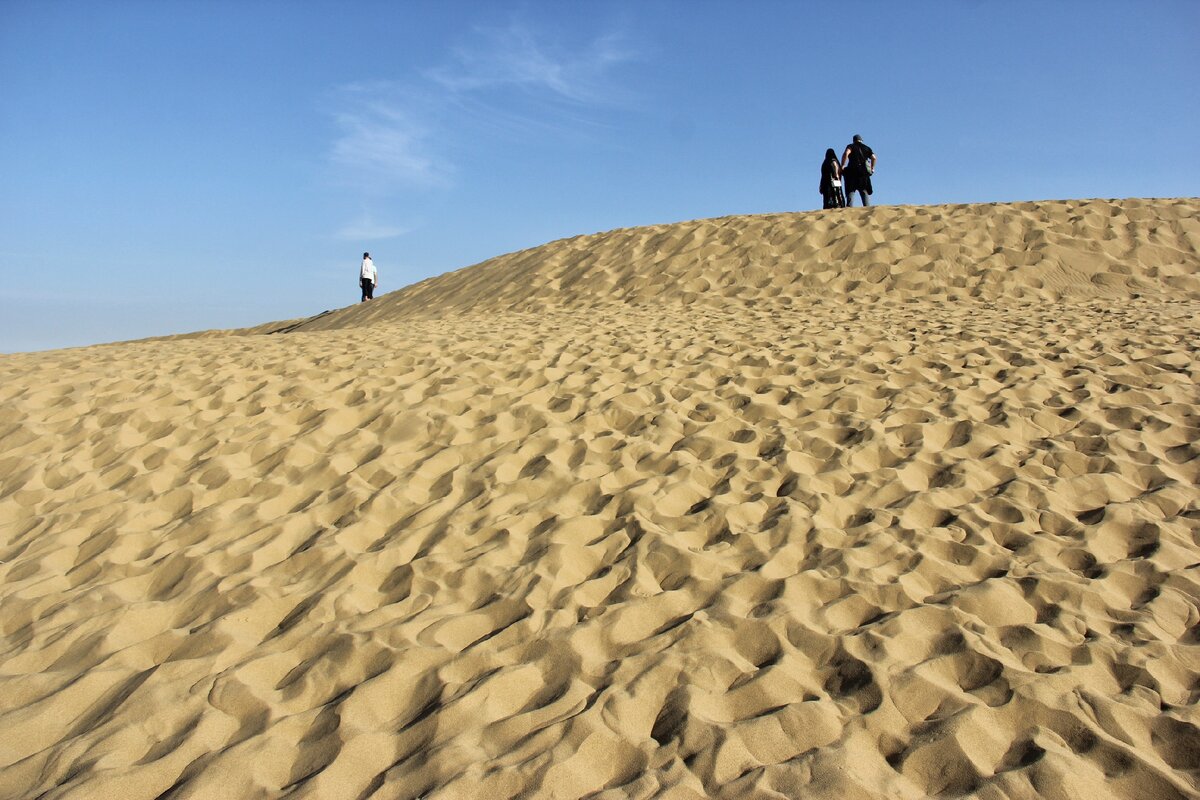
833 198
368 287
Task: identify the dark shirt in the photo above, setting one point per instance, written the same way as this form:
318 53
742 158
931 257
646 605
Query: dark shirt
860 156
858 178
828 172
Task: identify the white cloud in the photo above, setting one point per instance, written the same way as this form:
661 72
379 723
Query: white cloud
366 228
383 144
517 57
509 83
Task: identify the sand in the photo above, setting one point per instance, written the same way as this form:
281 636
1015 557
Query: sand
872 503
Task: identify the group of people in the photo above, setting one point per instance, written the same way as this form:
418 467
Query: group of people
841 179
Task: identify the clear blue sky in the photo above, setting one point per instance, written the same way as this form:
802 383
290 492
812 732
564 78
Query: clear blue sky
176 166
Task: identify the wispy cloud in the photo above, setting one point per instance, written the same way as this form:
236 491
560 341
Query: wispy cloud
366 228
516 56
389 128
383 142
510 82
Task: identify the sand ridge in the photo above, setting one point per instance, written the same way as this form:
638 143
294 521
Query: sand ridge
1048 251
820 546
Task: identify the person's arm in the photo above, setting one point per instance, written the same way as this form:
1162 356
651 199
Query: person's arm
874 161
845 156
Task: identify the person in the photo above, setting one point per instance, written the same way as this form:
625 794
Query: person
831 182
368 278
858 165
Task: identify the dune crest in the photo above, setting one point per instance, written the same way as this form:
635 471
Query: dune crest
1048 251
668 512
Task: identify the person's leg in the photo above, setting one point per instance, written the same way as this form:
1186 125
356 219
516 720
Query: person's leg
363 283
370 290
865 197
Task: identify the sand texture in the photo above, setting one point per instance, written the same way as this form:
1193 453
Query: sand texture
873 503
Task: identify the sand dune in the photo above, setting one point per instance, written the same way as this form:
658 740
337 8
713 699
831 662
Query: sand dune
1054 251
883 503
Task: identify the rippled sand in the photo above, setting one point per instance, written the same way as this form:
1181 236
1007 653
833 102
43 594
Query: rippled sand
882 503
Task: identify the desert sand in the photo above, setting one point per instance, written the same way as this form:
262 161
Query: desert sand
872 503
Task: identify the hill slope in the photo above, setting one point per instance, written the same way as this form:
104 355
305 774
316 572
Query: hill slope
660 513
1054 250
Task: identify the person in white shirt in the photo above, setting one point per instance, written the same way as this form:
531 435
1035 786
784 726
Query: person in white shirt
368 278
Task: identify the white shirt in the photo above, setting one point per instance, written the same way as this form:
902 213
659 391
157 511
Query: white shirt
368 271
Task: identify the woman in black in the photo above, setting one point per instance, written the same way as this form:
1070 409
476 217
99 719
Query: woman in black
831 181
858 163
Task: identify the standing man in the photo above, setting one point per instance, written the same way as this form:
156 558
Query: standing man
858 165
368 278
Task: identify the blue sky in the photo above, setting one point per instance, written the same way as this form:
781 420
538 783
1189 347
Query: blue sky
176 166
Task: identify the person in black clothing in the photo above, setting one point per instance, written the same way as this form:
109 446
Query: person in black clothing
831 182
858 164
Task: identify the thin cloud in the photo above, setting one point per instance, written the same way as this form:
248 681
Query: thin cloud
366 228
517 57
383 143
388 129
509 82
